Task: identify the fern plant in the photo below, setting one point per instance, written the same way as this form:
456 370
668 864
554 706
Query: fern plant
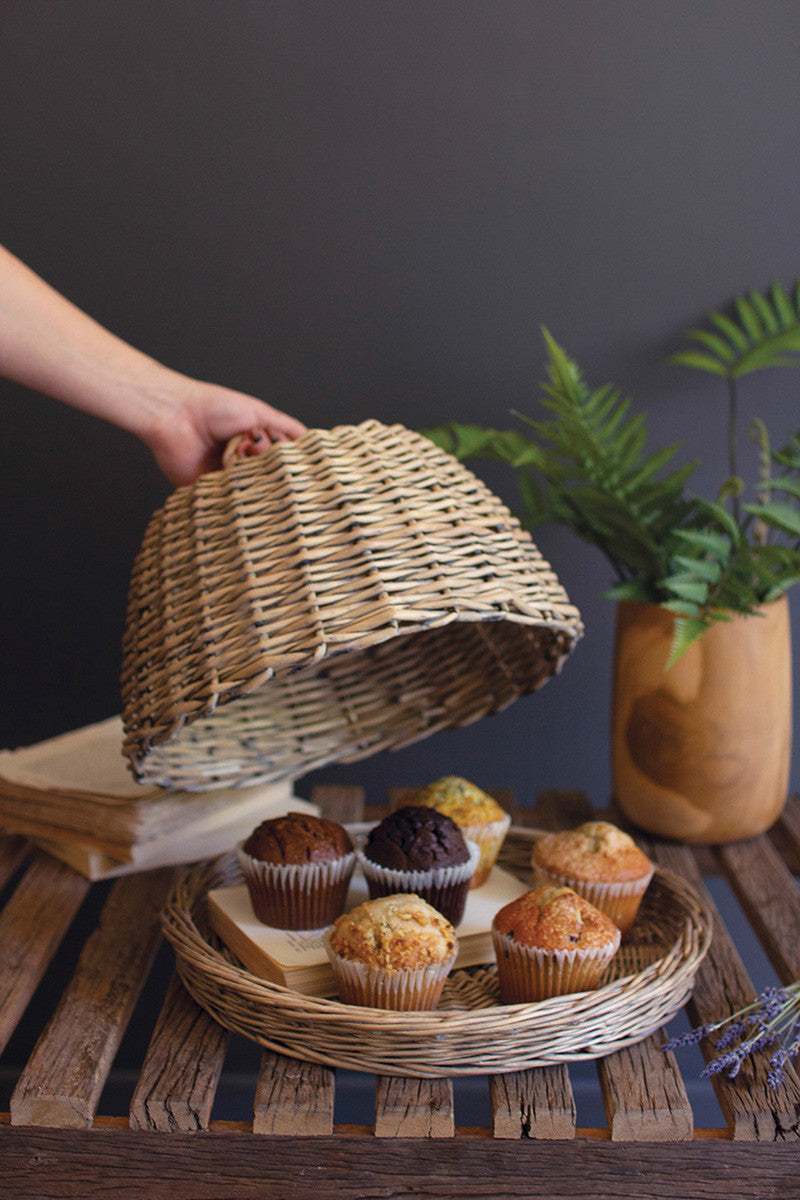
588 467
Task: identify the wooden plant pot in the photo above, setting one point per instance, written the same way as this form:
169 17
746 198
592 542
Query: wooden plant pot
700 752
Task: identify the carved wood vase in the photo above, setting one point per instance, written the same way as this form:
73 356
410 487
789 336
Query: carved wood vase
701 752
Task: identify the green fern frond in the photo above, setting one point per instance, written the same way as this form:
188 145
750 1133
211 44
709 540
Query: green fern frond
786 483
586 465
686 631
777 515
767 334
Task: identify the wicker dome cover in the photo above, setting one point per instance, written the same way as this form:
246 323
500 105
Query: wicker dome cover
352 591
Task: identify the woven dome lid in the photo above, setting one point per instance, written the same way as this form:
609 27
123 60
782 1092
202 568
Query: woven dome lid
355 590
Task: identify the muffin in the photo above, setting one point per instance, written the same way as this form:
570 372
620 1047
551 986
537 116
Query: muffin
417 849
297 869
394 952
551 942
478 816
599 861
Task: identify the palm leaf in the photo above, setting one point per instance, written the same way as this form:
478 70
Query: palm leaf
767 334
736 336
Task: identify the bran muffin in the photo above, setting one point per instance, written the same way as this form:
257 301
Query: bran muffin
551 942
600 862
417 849
394 952
297 869
479 817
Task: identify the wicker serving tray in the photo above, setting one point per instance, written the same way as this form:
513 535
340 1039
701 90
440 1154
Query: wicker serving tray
471 1031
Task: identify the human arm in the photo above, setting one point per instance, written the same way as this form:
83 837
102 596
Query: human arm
50 345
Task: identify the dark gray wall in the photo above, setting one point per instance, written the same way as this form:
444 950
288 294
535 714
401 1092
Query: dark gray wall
368 209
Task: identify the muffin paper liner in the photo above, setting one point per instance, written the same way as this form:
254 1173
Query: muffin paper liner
528 973
304 896
376 987
445 888
619 901
488 837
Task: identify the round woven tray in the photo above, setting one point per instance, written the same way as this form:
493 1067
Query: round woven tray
471 1032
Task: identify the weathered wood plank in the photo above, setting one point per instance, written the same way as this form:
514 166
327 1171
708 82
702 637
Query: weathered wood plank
32 924
63 1079
13 851
768 893
414 1108
563 809
338 802
127 1166
752 1109
181 1069
398 796
644 1095
642 1090
293 1099
790 818
533 1104
785 834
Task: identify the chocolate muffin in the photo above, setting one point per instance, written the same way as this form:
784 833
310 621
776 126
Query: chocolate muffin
417 849
297 869
477 814
298 838
415 838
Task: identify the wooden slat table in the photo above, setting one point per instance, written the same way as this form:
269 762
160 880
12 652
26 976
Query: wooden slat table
166 1143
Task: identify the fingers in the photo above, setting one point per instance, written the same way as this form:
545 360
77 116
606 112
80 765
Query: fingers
280 426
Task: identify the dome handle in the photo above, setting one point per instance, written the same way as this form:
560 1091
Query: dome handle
251 444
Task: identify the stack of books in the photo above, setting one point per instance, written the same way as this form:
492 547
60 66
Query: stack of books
74 796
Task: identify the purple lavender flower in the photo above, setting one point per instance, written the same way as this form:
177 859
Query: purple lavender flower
773 1018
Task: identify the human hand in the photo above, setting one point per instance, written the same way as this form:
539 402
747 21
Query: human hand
188 437
50 345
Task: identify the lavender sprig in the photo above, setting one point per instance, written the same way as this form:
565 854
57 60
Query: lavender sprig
772 1019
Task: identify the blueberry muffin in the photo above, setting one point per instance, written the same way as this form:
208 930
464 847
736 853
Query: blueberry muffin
551 942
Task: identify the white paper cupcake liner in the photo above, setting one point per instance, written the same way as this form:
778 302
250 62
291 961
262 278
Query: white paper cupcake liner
290 896
445 888
376 987
488 837
528 973
619 901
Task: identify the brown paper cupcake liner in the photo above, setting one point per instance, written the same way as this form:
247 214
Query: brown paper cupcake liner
304 896
445 888
528 973
619 901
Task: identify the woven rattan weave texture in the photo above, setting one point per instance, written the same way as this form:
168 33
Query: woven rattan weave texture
352 591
